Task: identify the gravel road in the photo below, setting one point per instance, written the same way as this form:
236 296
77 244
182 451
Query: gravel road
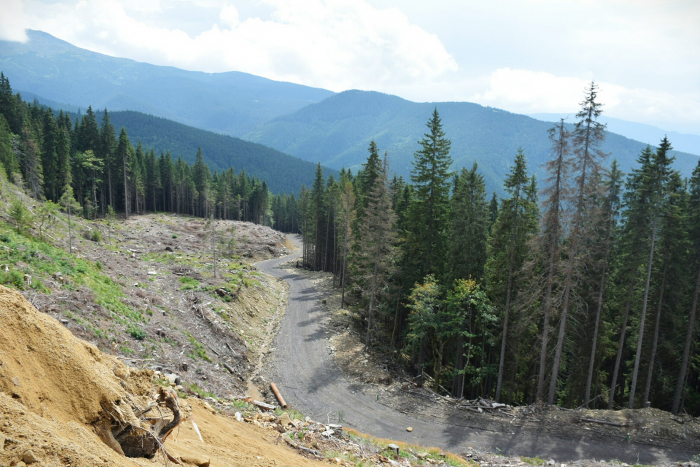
304 371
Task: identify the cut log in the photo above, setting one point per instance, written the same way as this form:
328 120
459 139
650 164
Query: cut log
279 397
604 422
262 405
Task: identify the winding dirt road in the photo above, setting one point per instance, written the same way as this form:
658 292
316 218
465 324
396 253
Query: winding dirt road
310 381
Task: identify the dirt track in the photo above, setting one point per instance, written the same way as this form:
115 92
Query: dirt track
306 374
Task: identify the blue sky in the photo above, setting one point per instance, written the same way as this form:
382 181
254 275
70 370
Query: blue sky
525 56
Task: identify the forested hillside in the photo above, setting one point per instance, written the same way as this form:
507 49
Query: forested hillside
232 103
87 168
283 173
338 130
578 288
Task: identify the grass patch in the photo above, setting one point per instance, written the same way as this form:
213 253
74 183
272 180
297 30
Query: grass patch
293 413
188 283
537 460
28 255
406 450
199 391
198 351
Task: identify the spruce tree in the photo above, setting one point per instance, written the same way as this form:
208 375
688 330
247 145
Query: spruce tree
430 205
693 267
587 137
554 194
611 211
468 230
378 243
506 248
660 173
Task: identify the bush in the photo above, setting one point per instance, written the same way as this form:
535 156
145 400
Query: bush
136 332
96 236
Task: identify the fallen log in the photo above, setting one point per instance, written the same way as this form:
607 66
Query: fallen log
279 397
262 405
603 422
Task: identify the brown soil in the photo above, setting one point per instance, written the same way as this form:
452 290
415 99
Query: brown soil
52 386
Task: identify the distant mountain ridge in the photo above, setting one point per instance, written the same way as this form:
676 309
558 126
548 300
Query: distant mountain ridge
231 103
338 130
650 134
283 173
310 124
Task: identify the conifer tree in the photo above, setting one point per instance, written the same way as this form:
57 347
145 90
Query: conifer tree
107 147
507 248
694 266
378 242
587 137
672 247
550 239
660 173
430 205
468 230
611 211
635 214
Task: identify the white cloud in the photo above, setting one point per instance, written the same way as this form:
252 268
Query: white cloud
336 44
644 53
526 91
12 21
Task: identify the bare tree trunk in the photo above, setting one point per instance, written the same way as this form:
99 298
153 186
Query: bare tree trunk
650 373
328 231
640 339
567 287
505 326
126 188
372 299
686 351
621 345
601 289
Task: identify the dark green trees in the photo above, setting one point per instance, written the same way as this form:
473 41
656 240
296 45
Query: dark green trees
516 221
428 212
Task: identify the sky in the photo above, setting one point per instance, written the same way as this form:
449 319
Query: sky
524 56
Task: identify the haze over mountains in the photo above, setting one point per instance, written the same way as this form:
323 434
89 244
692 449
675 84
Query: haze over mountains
637 131
312 124
338 130
232 103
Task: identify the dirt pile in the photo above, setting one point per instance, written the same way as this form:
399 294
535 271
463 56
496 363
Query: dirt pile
54 389
48 370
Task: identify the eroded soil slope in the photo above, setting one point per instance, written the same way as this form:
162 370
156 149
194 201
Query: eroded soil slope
53 387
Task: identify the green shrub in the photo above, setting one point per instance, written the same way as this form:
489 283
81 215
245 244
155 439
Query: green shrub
136 332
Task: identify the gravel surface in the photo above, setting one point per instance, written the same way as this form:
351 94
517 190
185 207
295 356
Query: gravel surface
305 372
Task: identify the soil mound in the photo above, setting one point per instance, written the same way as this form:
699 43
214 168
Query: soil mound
56 391
50 371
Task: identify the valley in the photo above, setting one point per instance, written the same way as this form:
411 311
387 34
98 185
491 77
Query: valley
207 267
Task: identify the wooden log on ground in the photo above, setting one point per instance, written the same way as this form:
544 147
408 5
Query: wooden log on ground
279 397
262 405
604 422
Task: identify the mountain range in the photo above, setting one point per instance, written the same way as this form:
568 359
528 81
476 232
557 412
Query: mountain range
638 131
231 103
338 130
311 124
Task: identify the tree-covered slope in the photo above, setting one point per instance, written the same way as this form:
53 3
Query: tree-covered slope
338 130
282 172
230 103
